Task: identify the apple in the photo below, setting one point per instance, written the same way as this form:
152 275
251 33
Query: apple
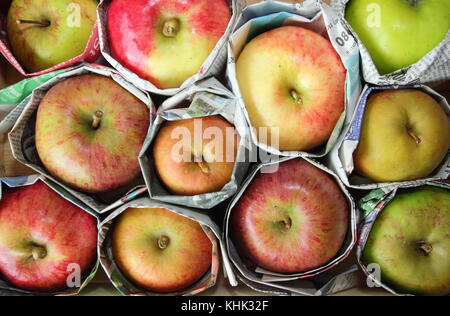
398 33
292 79
165 41
207 149
160 250
405 135
89 132
290 221
44 33
41 235
410 242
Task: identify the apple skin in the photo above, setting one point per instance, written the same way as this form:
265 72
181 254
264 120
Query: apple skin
87 159
135 31
290 221
405 33
36 215
187 177
395 242
405 136
136 239
38 48
274 65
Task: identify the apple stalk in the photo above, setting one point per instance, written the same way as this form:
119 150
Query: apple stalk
163 242
39 23
171 27
424 248
97 119
38 252
296 96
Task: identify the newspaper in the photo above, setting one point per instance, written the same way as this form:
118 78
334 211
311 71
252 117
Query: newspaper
207 98
125 286
7 289
12 98
340 159
91 53
432 68
23 146
316 16
212 66
371 206
297 283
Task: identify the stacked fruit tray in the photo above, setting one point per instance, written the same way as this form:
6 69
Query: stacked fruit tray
218 147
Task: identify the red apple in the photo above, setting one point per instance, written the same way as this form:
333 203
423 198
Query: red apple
292 79
207 167
41 234
165 41
160 250
293 220
89 132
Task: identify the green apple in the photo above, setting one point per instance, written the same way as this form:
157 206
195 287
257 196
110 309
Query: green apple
398 33
405 136
44 33
410 242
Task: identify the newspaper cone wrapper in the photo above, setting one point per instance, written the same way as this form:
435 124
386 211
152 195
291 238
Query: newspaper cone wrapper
316 16
340 159
207 98
12 98
91 53
305 283
125 286
213 65
371 206
23 146
433 67
7 289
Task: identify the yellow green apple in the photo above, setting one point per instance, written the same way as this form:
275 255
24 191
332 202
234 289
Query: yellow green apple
44 33
405 136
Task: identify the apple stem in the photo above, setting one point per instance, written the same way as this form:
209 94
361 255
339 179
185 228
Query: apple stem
296 96
97 119
43 24
414 3
163 242
38 252
203 166
171 27
425 248
285 225
416 138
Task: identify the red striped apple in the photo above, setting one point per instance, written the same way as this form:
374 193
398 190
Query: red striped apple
196 156
292 79
41 235
290 221
165 41
89 132
159 250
